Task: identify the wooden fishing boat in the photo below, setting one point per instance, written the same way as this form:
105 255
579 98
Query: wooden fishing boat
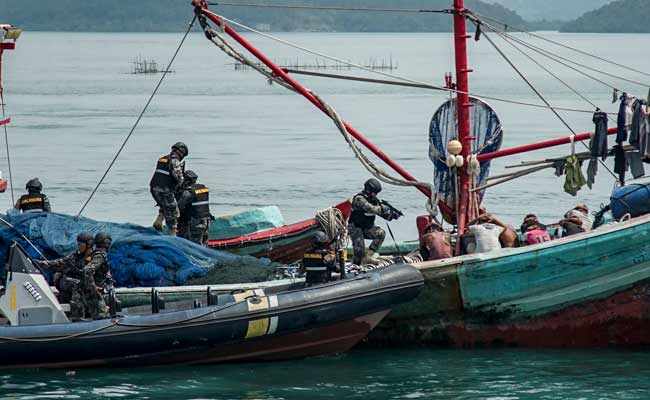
590 289
254 325
285 244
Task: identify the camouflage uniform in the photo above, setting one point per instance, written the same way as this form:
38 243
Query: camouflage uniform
362 225
96 276
67 278
167 177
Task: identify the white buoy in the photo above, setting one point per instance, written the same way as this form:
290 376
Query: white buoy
451 160
454 147
459 161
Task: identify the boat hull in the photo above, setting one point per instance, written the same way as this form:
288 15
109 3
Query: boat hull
591 290
244 326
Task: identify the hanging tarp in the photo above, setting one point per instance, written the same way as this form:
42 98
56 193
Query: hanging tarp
485 128
139 256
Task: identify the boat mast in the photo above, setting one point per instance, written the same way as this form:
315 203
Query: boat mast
463 105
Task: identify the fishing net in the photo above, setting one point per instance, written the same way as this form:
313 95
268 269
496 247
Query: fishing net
485 128
139 256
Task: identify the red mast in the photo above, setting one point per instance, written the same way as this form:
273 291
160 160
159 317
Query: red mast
462 103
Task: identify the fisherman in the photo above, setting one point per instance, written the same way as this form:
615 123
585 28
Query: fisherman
581 211
365 207
320 261
97 278
508 237
194 207
533 231
167 178
34 200
69 273
435 244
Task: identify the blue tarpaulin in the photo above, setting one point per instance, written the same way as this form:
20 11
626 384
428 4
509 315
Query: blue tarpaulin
139 256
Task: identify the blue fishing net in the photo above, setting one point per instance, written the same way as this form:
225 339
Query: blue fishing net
139 256
485 128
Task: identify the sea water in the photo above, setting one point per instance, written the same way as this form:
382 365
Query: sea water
73 99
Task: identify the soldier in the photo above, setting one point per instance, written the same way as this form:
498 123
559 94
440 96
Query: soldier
320 261
365 207
167 178
97 278
194 206
34 200
69 273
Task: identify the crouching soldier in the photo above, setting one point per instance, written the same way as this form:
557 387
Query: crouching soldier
194 206
69 273
97 278
320 261
365 207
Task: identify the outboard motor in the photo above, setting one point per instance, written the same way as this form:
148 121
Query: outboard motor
27 298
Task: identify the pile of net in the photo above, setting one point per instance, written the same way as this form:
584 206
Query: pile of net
139 256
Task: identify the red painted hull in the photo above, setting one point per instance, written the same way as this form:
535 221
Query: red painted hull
620 320
285 244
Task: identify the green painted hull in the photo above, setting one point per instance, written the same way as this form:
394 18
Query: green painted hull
577 291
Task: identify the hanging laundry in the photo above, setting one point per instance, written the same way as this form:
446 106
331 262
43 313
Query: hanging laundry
621 134
633 160
620 163
592 171
638 115
598 143
644 136
575 180
558 165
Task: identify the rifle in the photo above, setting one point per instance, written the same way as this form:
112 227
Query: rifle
394 212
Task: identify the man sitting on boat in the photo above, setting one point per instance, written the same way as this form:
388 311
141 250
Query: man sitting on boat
97 278
435 243
365 207
69 273
167 178
581 211
508 236
34 200
194 207
533 231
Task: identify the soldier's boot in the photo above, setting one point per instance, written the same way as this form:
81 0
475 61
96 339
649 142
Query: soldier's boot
158 223
173 230
370 258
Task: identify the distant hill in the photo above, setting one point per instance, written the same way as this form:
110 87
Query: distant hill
551 10
173 15
622 16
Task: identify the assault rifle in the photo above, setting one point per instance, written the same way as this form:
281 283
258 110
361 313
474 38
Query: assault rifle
394 212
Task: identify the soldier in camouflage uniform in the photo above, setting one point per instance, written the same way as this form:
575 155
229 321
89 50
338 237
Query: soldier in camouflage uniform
167 178
69 273
194 206
97 278
361 226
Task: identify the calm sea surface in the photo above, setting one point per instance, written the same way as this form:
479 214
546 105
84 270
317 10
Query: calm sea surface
72 100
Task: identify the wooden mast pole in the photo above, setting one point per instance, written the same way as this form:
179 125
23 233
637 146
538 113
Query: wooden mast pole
463 105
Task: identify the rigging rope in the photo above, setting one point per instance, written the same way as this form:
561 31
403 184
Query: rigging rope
414 83
556 57
330 8
220 41
119 151
11 179
537 92
334 225
561 44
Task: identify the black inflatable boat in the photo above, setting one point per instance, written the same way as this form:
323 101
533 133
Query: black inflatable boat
247 326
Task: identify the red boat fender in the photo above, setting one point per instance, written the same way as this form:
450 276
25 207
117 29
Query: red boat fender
422 222
3 185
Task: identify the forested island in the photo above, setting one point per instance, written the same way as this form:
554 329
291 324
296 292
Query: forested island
173 15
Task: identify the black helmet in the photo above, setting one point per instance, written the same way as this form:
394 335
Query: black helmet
320 238
372 185
103 240
34 184
86 237
190 176
181 148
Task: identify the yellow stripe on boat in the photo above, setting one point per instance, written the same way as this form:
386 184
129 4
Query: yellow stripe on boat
257 327
12 298
248 293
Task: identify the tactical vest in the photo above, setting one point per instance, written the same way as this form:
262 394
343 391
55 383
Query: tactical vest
200 201
162 176
102 273
317 270
32 202
360 218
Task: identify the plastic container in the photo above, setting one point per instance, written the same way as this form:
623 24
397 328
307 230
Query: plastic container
633 199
